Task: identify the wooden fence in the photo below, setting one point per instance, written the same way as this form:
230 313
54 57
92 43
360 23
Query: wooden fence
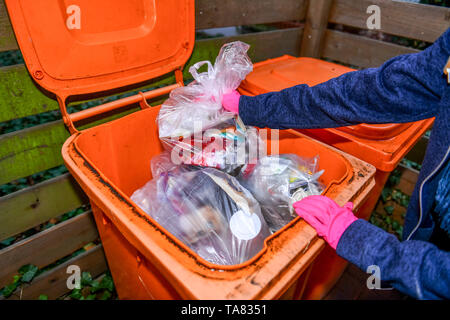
38 148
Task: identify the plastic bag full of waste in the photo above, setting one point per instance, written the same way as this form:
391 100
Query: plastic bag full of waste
198 106
277 181
206 209
195 127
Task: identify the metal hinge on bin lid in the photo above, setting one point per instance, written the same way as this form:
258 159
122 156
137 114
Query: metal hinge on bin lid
82 47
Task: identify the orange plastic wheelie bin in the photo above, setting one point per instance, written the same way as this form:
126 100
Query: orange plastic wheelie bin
382 145
115 45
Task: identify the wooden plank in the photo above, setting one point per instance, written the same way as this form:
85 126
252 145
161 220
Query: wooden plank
408 179
31 150
48 246
410 20
219 13
263 45
7 39
32 206
360 51
39 148
19 96
53 282
315 27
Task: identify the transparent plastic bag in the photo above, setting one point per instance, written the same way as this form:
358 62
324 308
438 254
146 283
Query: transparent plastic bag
277 181
161 163
194 126
227 150
198 106
208 210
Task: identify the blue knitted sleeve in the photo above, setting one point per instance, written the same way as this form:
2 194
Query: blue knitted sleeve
417 268
404 89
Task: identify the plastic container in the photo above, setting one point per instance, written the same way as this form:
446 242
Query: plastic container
110 161
382 145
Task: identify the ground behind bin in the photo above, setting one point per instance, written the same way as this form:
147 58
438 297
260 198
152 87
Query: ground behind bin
352 286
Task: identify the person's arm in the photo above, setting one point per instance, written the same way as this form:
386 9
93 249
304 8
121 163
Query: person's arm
404 89
417 268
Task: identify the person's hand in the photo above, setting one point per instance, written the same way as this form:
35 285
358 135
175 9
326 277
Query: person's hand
326 216
230 101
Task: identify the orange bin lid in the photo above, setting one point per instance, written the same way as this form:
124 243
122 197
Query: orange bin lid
91 46
287 71
382 145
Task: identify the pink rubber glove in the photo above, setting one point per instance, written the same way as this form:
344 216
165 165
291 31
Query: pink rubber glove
230 101
326 216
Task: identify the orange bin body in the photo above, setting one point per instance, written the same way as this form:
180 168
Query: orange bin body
382 145
113 45
110 161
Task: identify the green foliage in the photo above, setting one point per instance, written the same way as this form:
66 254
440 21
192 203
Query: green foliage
392 200
9 58
385 194
90 289
255 28
73 213
93 289
411 164
9 289
389 210
203 35
416 44
390 192
388 220
401 198
30 121
35 178
394 178
443 3
48 224
26 274
7 242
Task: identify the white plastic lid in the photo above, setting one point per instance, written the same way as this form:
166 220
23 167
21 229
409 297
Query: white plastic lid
245 225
